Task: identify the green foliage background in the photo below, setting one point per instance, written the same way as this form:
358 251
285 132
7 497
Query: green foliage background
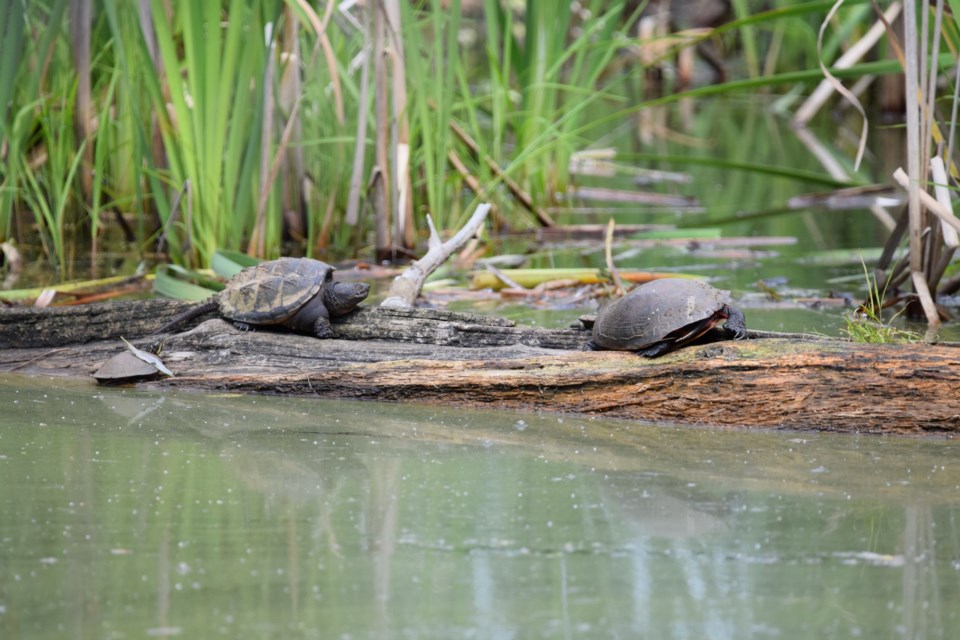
185 139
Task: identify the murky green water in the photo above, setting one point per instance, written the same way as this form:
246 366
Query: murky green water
127 514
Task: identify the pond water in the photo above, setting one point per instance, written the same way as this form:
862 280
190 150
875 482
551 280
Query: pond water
130 514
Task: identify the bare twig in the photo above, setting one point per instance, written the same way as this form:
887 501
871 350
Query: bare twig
942 190
915 153
950 226
611 267
951 238
404 231
474 184
928 201
504 278
522 196
384 184
406 287
359 152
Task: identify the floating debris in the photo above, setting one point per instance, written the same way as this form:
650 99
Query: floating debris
635 197
850 198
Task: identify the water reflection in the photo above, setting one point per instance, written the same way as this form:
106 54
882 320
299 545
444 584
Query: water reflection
131 514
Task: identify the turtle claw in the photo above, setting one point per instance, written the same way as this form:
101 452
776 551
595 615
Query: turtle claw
321 328
736 323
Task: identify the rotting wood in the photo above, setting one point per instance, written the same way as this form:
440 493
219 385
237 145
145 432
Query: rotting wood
31 327
28 328
440 357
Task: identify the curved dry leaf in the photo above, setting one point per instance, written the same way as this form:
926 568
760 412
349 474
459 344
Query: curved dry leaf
842 90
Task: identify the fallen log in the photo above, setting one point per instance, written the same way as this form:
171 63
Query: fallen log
431 356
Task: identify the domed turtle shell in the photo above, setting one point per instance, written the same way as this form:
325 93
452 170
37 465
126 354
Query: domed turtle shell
664 314
272 292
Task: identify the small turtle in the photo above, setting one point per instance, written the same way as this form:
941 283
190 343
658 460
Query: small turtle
297 293
125 367
663 315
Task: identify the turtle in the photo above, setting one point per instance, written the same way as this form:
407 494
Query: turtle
296 293
663 315
124 367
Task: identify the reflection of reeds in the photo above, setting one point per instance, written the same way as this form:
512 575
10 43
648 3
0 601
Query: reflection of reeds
348 518
740 460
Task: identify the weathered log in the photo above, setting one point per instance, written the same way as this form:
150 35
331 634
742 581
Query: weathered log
30 327
466 360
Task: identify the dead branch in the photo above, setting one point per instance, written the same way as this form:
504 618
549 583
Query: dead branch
406 287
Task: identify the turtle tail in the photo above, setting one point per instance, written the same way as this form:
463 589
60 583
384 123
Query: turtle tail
189 314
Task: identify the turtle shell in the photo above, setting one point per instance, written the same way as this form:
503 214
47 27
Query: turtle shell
124 367
271 292
655 310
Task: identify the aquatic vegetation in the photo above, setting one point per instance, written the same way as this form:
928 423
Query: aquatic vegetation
195 127
867 324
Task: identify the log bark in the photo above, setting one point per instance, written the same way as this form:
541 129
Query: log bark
431 356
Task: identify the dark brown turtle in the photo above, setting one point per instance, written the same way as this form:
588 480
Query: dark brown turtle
663 315
297 293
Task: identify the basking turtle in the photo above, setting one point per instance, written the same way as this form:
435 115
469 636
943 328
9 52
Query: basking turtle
663 315
124 367
297 293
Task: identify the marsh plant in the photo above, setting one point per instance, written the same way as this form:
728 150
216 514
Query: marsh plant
269 126
867 324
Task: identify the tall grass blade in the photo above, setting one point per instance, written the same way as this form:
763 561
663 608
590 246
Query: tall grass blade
229 263
210 129
172 282
81 25
11 51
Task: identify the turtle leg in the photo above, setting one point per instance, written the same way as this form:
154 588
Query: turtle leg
681 337
243 326
657 349
321 326
736 323
312 318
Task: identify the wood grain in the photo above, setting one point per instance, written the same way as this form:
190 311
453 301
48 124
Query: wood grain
431 356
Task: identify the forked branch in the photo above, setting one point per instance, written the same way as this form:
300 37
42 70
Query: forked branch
406 287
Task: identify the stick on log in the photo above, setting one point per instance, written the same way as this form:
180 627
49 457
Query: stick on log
406 287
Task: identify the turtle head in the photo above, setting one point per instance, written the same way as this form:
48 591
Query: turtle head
342 297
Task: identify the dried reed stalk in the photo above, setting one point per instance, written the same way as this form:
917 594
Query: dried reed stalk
918 154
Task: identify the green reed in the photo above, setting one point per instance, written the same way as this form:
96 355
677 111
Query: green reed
555 77
192 101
